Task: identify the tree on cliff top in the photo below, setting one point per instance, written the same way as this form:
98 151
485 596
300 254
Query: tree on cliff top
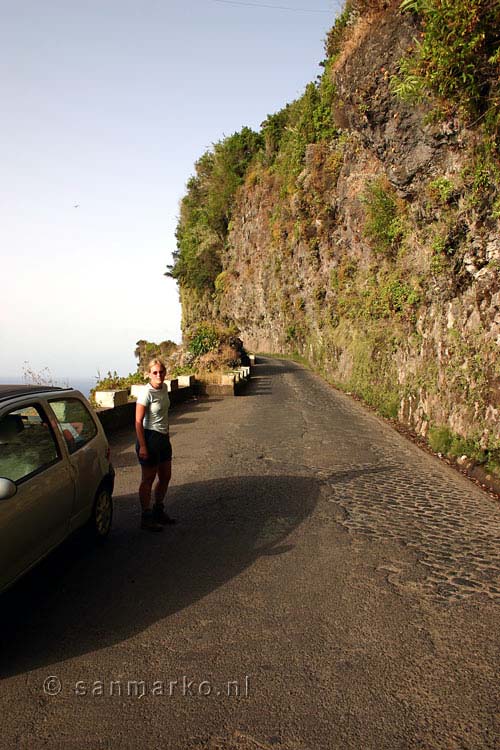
206 209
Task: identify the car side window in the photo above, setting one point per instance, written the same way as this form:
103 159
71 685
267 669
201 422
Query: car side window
27 443
75 421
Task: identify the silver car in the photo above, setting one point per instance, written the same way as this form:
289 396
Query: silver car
55 474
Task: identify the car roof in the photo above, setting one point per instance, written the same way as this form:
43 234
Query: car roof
13 391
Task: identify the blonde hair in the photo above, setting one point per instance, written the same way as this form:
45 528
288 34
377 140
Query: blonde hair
155 361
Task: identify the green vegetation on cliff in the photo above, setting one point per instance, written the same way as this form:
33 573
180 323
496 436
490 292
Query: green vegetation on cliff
457 58
304 121
359 227
206 210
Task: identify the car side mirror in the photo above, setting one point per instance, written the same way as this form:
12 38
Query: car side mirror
8 488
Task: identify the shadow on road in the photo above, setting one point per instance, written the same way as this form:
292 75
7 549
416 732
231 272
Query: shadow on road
263 374
271 366
84 598
258 386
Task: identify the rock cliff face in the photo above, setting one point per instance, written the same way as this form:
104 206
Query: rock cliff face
381 266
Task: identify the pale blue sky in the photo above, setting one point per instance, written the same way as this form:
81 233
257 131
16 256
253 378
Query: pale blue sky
106 104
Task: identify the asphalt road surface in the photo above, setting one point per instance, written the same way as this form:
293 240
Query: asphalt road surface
328 585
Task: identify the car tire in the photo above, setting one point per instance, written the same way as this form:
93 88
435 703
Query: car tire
102 514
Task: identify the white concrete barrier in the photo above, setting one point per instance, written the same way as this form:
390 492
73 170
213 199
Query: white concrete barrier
186 381
136 389
110 399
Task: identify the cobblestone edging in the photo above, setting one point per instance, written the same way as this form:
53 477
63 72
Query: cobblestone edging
474 472
438 533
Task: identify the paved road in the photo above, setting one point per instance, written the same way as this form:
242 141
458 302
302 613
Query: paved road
329 585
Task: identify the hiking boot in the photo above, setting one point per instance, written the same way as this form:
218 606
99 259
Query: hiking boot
161 517
149 523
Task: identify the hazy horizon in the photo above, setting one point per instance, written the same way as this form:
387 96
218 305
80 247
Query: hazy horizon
107 107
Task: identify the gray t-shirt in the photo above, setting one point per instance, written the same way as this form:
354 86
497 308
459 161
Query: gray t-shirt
157 403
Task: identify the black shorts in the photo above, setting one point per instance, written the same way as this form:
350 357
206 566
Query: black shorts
159 448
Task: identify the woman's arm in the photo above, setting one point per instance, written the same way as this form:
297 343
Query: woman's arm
140 411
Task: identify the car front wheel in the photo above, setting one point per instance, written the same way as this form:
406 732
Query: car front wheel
102 513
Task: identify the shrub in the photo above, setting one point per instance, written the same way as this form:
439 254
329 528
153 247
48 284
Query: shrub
456 58
461 446
220 282
209 362
291 334
204 339
493 466
182 370
401 296
441 189
385 225
440 439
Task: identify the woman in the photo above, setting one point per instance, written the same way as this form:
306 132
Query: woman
153 447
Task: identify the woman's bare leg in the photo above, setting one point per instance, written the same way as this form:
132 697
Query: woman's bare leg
146 485
161 487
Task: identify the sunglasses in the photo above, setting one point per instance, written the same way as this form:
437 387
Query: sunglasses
158 372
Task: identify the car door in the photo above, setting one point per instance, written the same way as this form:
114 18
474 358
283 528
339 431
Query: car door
86 451
37 517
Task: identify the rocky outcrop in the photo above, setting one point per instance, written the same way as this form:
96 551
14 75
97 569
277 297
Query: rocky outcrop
381 267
